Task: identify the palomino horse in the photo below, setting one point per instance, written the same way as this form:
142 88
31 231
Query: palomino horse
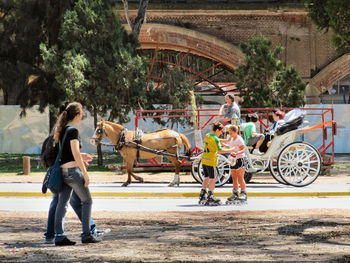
165 140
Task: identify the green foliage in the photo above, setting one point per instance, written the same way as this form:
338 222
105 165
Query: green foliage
24 24
263 80
174 94
335 15
287 88
254 77
96 62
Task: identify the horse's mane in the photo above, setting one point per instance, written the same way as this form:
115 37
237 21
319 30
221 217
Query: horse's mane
114 124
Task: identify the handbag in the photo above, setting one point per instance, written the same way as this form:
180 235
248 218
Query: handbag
53 175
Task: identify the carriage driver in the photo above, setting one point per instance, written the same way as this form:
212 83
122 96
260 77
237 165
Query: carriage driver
212 147
229 110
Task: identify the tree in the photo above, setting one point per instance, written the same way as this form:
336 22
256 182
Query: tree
173 94
335 15
254 77
138 21
97 63
23 26
263 81
287 88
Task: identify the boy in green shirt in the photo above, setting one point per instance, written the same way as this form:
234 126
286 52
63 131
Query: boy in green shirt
212 147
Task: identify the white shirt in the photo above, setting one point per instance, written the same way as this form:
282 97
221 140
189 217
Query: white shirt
236 145
275 126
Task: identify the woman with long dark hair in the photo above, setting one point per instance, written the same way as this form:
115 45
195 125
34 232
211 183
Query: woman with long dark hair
75 176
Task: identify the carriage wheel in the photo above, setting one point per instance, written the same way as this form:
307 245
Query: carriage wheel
274 171
194 168
299 164
224 171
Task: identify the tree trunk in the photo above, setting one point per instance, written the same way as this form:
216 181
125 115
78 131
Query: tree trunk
99 148
136 27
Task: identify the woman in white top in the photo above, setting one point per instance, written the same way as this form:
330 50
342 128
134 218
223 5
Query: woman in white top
235 145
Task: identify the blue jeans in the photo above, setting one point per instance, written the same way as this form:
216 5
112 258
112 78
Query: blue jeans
73 180
75 203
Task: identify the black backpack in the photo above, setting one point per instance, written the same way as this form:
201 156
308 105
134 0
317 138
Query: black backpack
49 152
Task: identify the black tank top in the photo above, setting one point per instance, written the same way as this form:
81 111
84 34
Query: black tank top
67 155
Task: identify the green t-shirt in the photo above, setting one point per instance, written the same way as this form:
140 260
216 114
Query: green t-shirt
248 129
211 148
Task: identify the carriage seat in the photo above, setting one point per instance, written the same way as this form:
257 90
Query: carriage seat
290 125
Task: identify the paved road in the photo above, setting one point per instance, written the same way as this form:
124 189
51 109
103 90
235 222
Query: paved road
159 197
181 204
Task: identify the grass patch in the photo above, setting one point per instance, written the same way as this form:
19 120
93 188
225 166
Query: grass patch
13 163
341 166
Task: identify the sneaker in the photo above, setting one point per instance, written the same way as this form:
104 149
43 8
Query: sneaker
99 233
50 240
257 152
90 239
65 242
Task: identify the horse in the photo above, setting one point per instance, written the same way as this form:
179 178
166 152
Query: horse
164 141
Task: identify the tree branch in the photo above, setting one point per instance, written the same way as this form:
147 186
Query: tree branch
136 27
127 15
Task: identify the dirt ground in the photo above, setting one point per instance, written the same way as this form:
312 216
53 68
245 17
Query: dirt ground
255 236
293 236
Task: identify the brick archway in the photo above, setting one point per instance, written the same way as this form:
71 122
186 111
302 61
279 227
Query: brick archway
327 77
159 36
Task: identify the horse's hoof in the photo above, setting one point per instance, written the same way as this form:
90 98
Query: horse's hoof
125 184
171 184
141 180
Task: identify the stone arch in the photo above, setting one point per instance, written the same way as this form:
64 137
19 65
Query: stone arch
327 77
160 36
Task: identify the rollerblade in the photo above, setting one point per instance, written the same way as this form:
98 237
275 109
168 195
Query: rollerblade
212 200
202 197
243 198
234 198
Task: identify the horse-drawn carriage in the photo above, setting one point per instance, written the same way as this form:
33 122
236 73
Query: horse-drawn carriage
291 162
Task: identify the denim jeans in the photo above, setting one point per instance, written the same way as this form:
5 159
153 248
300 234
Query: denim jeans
73 180
75 203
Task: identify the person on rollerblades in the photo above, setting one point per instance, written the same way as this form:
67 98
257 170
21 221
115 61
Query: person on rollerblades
212 147
235 145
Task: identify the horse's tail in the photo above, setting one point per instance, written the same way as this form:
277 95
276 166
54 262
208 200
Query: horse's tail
187 145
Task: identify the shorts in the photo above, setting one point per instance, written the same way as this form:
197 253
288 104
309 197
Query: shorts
240 163
253 140
210 171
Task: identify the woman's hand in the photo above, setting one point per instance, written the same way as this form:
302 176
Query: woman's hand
86 157
87 180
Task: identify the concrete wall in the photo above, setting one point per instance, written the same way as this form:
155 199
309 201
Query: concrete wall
25 135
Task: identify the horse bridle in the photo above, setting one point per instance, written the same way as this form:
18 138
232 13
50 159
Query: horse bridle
100 132
121 141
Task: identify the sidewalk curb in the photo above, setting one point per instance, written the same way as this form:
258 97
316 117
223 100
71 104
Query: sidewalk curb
180 194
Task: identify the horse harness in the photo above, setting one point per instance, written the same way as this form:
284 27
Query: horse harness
136 143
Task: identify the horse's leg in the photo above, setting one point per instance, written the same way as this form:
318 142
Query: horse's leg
138 178
176 180
129 168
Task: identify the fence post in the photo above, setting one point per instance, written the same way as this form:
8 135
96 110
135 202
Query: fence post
26 165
